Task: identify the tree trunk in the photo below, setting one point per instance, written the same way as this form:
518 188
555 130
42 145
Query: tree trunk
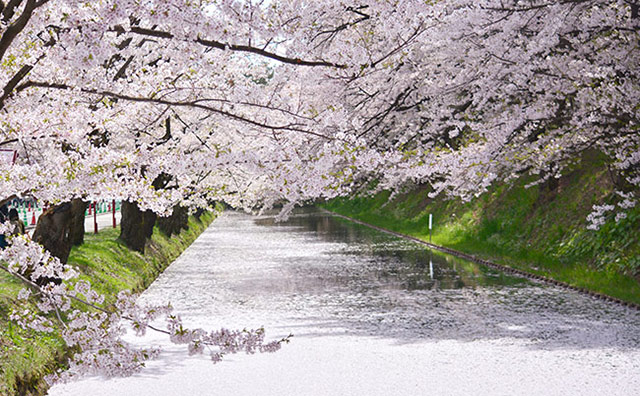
53 231
136 226
76 235
198 213
178 221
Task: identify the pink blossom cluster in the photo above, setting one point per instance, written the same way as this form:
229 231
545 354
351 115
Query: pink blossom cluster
223 341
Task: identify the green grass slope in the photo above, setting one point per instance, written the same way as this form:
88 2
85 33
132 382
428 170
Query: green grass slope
541 229
26 356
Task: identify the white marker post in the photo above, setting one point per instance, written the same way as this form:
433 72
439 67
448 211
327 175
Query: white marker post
430 250
430 268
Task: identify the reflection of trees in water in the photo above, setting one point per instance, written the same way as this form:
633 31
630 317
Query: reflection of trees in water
393 262
373 283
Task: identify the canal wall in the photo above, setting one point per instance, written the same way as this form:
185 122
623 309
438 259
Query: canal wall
27 357
540 229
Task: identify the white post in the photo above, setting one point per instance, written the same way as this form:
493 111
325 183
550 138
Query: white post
430 225
430 268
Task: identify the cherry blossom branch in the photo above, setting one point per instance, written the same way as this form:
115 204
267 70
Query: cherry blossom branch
91 333
97 308
21 278
13 83
334 31
15 28
193 104
9 9
231 47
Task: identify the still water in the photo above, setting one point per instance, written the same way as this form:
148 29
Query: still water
372 314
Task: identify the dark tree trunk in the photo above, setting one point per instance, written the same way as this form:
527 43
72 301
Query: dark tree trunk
178 221
136 226
199 212
76 235
53 231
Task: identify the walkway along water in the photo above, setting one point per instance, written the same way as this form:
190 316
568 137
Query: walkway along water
373 314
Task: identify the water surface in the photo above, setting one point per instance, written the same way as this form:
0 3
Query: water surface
376 315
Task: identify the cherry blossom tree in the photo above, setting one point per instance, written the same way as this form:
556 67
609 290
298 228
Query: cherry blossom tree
91 91
463 94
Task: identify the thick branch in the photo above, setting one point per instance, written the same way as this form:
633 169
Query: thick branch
9 10
4 201
17 27
231 47
123 69
15 80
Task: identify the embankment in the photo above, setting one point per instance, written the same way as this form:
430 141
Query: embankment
26 357
540 229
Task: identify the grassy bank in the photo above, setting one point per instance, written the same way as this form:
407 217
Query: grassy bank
541 229
26 357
